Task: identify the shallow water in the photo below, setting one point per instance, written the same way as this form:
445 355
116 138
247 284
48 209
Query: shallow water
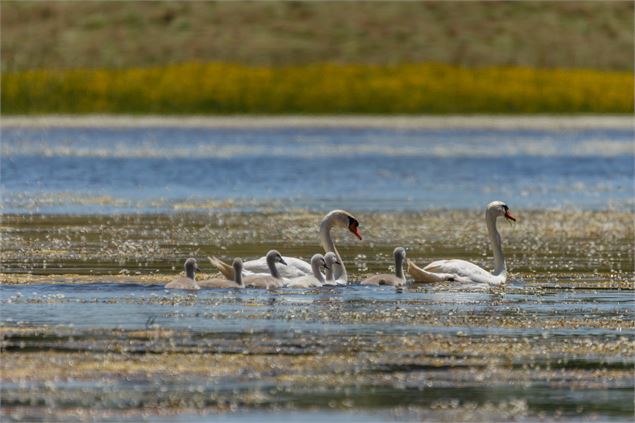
97 220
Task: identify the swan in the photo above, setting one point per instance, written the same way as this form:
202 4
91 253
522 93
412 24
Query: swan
464 271
270 280
187 282
296 267
226 283
397 279
342 219
310 281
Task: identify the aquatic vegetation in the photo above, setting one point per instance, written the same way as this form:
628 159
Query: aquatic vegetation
224 88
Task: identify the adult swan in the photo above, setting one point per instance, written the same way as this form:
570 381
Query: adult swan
296 267
464 271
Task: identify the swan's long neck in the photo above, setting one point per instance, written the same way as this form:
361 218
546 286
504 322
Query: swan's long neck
315 266
499 260
399 266
339 271
271 262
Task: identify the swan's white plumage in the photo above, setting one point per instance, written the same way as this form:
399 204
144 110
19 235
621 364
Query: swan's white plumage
296 267
459 270
464 271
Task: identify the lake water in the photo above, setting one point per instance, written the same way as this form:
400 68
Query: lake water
147 169
97 218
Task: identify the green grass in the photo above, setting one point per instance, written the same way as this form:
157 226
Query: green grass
220 88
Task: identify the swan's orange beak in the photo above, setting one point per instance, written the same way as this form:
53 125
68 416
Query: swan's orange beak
509 216
355 230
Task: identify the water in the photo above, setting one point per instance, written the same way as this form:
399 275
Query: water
97 219
427 349
146 169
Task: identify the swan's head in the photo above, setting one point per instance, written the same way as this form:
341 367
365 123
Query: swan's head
344 219
330 258
191 266
498 208
237 264
276 257
400 253
318 261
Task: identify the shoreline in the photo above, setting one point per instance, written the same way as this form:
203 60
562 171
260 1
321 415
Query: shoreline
404 122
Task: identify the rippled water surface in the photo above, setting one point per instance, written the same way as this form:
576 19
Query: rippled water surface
100 170
97 219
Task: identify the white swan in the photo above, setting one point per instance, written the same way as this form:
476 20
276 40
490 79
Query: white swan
464 271
397 279
187 282
343 219
266 280
226 283
310 281
296 267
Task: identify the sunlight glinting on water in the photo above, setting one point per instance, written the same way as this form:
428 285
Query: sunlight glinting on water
311 146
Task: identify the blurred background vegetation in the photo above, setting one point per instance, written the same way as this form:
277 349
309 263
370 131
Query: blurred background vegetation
473 57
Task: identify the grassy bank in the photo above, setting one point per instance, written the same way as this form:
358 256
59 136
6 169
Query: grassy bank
46 34
217 88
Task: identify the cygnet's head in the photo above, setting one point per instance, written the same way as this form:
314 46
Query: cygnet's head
318 260
498 208
276 257
344 219
330 259
399 253
191 266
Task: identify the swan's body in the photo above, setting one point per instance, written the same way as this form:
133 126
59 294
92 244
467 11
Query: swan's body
310 281
296 267
464 271
187 282
397 279
270 280
237 283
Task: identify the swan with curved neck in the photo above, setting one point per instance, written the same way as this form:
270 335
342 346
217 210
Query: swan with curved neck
187 282
397 279
296 267
310 281
342 219
464 271
226 283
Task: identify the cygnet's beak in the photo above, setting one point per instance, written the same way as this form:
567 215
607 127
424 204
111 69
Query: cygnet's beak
509 216
282 261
